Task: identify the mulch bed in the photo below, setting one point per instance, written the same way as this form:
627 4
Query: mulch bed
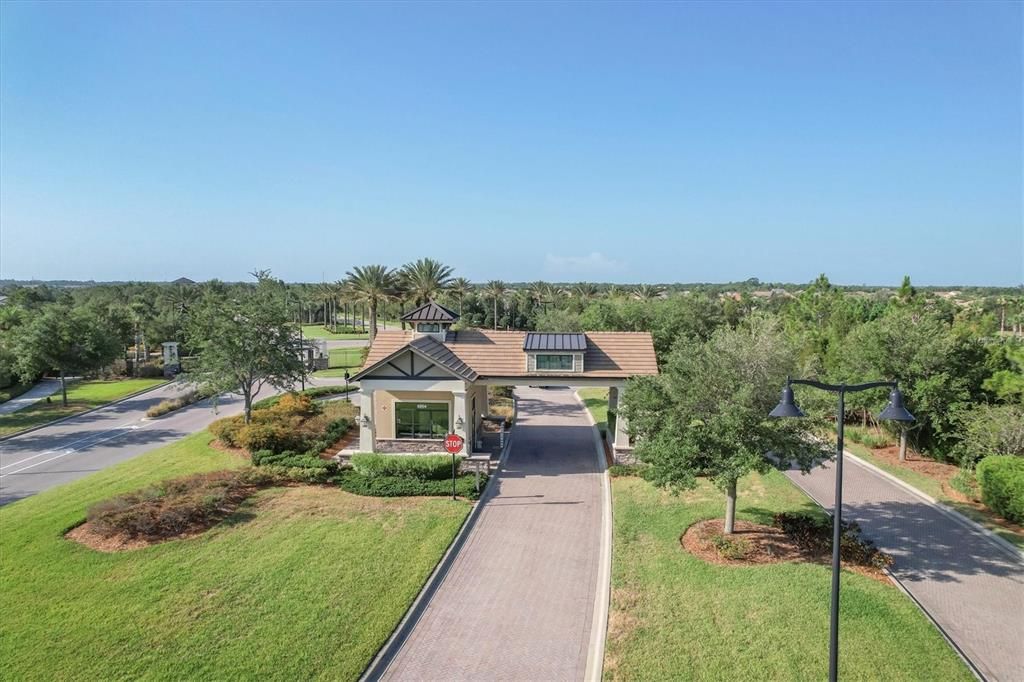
940 471
85 535
768 545
241 453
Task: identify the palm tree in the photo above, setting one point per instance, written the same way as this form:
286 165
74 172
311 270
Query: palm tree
549 294
585 291
615 293
497 290
424 279
371 284
647 292
460 287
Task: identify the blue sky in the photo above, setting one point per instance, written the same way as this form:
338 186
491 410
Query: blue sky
521 141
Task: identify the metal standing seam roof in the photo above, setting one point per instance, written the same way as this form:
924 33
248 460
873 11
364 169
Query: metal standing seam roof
430 312
554 341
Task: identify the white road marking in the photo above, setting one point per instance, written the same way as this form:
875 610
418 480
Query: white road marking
74 442
121 431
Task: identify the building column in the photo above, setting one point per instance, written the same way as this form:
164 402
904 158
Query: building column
621 438
459 412
367 428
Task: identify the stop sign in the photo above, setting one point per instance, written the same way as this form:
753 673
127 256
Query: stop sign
453 443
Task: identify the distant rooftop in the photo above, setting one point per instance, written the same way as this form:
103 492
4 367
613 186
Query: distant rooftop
554 341
183 280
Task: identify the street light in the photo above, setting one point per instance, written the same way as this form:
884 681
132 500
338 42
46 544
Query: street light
894 411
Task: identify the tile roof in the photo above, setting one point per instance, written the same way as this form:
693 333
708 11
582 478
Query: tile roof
430 312
550 341
608 355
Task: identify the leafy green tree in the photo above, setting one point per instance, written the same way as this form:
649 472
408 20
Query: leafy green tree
70 340
424 279
1008 384
372 285
706 414
244 340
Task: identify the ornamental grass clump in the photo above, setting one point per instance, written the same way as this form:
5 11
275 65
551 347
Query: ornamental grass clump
178 506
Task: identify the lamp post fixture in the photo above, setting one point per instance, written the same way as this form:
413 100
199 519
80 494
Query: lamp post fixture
894 411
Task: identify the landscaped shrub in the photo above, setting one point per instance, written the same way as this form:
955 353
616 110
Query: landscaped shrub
313 392
867 438
1001 479
966 483
294 460
149 371
226 430
419 467
277 435
730 548
293 422
302 474
172 404
405 486
177 506
814 535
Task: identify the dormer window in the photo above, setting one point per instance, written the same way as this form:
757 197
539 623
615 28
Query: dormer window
547 362
428 327
553 352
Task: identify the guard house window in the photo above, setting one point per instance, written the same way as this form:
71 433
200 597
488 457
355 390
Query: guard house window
554 362
428 327
421 420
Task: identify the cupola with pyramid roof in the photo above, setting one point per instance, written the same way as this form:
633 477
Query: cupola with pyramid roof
431 319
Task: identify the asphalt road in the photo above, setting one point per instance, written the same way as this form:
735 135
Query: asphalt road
71 449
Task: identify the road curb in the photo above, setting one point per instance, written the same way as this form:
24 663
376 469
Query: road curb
79 414
384 658
602 600
954 515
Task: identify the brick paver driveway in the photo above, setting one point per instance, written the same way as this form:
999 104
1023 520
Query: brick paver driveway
972 586
517 602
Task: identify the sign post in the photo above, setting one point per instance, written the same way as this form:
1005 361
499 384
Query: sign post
453 443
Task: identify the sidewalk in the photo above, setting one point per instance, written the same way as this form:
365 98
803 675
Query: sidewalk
44 388
972 586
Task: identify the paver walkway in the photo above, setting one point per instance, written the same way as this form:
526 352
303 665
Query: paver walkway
517 601
972 586
36 393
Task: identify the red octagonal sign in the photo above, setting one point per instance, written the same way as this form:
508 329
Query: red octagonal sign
453 443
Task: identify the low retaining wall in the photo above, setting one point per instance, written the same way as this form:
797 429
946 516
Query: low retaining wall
404 446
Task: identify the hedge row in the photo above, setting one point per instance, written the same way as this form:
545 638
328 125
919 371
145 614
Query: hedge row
418 467
403 486
1001 479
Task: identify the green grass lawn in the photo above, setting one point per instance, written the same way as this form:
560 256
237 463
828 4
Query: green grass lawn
300 583
82 396
13 391
596 400
342 360
673 616
315 331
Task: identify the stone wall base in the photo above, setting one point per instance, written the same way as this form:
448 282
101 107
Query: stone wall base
623 456
420 446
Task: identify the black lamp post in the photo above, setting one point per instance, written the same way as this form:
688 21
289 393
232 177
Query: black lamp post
894 411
